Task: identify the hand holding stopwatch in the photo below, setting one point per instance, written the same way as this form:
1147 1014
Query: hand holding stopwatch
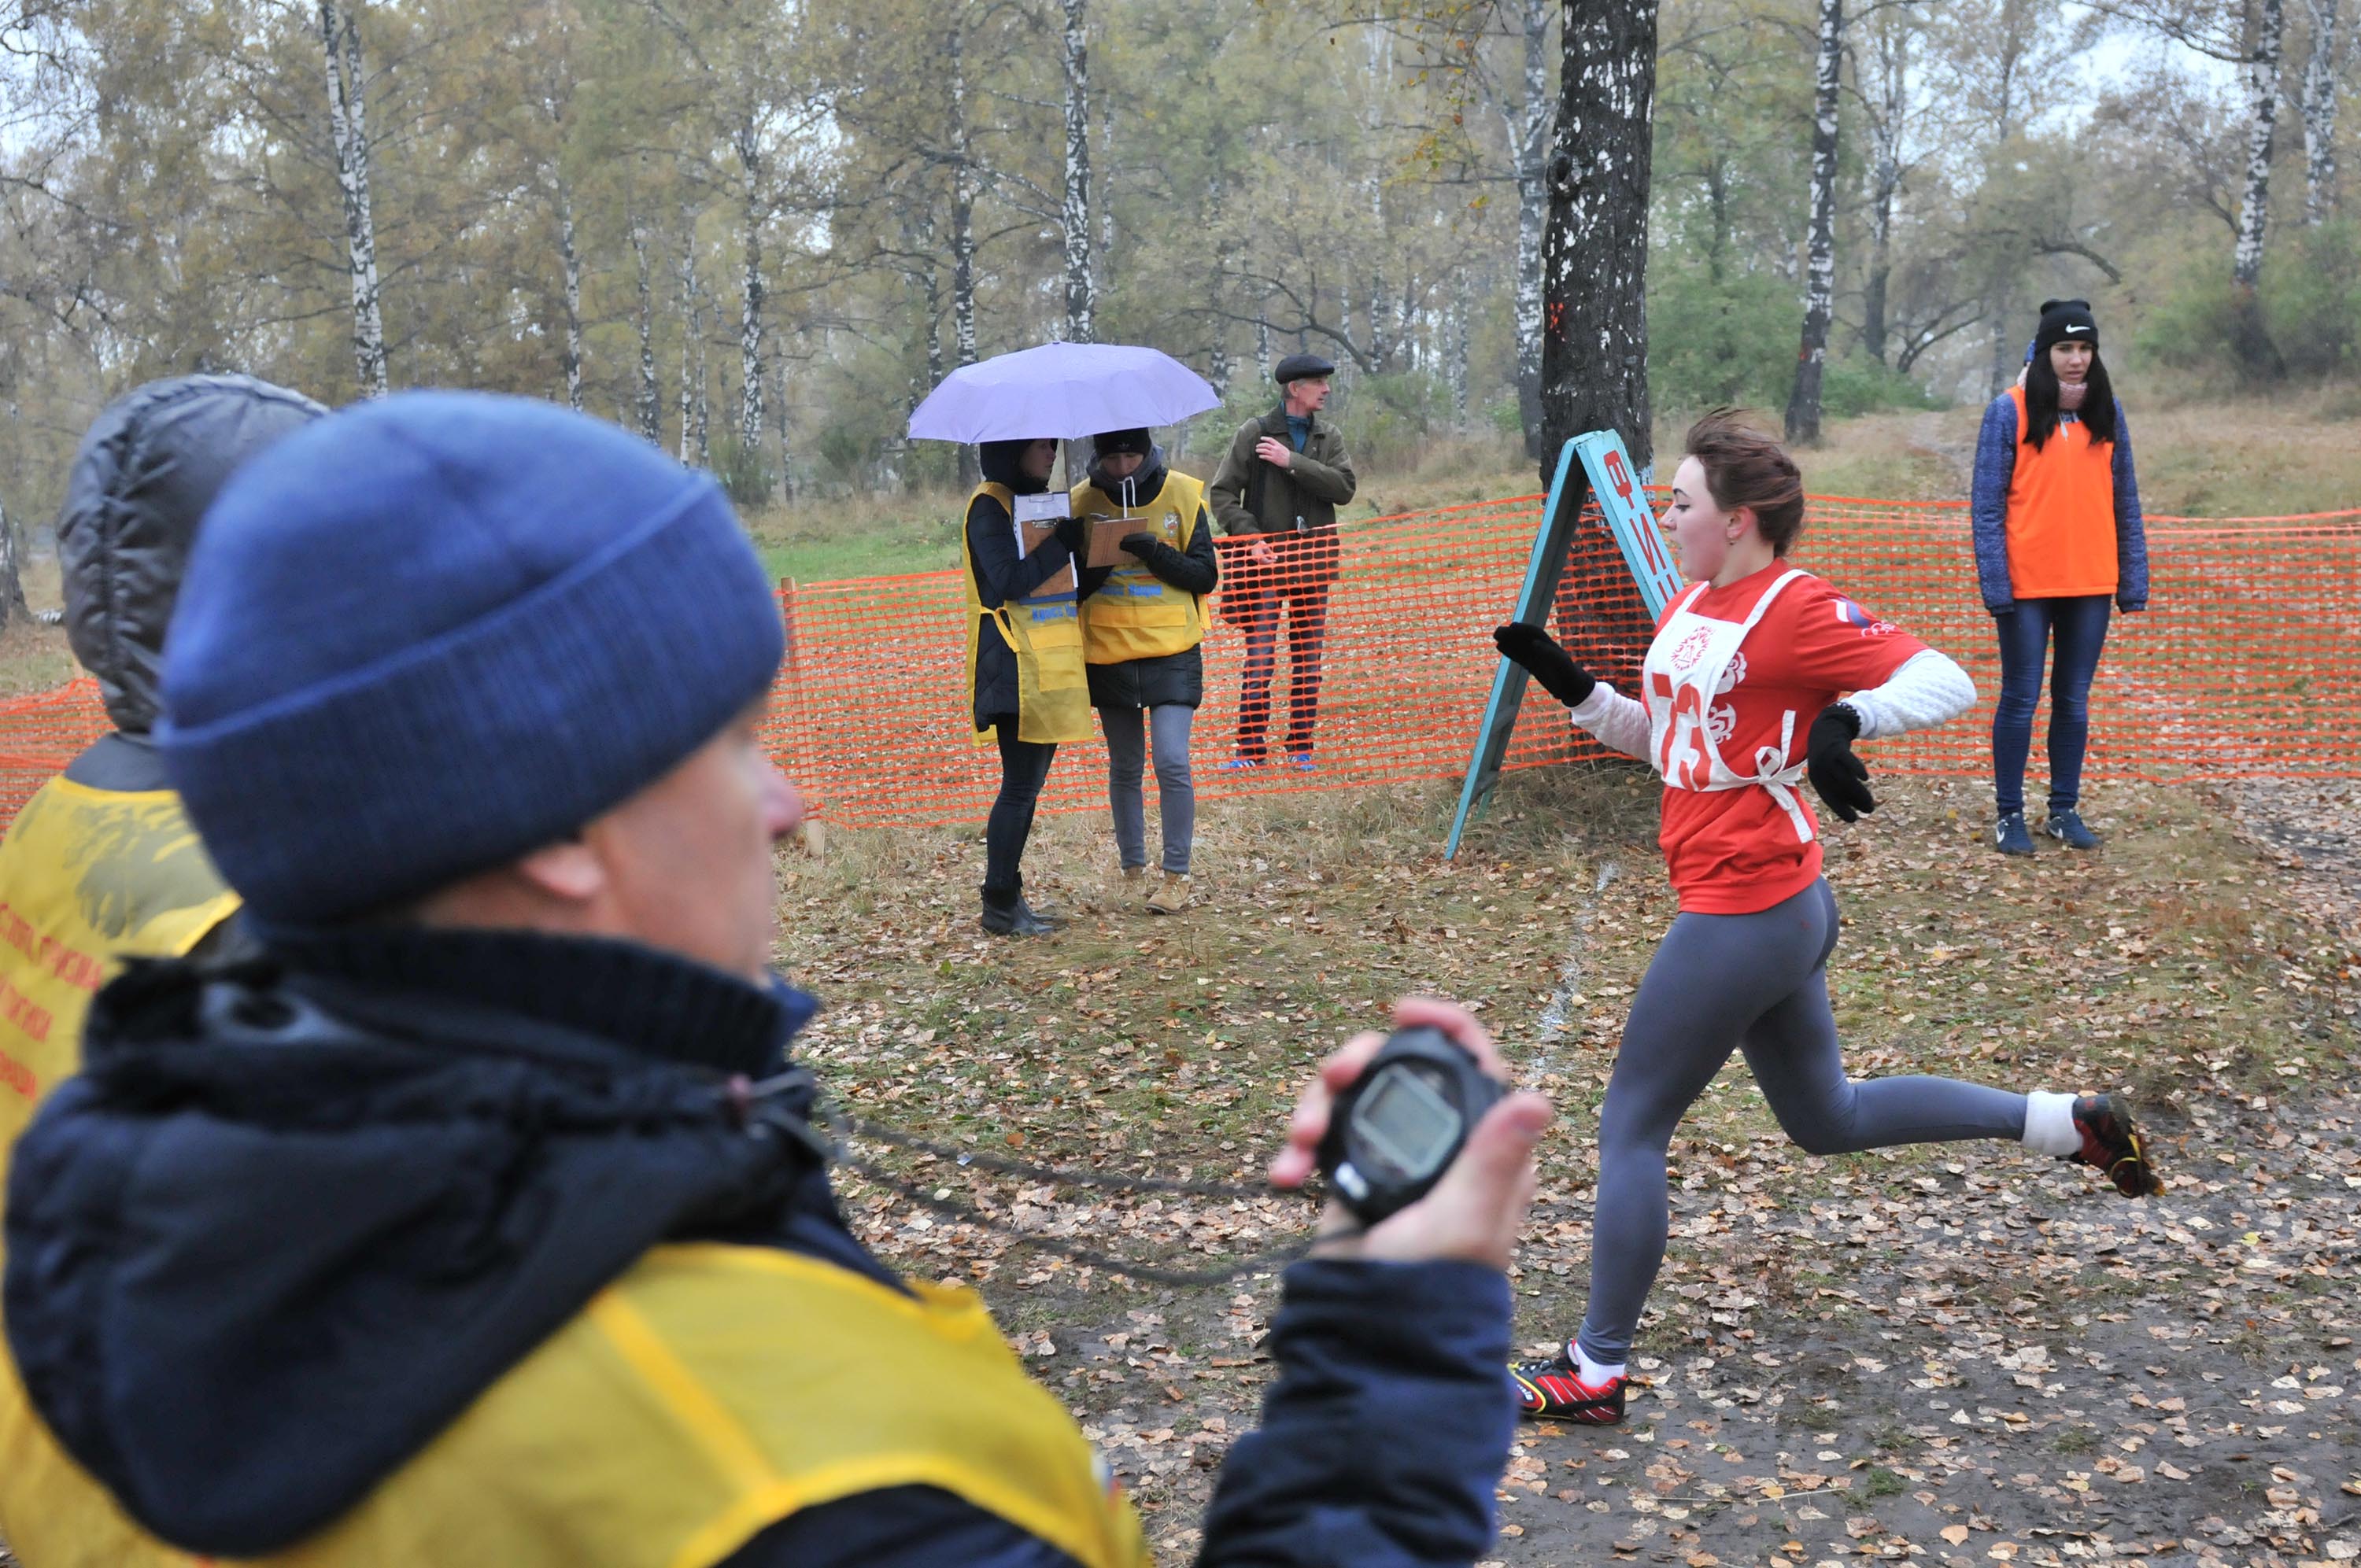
1397 1129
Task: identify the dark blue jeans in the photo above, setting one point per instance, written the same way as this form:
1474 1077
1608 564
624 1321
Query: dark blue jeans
2081 627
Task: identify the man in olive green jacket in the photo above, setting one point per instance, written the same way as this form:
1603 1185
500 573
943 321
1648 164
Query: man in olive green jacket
1280 485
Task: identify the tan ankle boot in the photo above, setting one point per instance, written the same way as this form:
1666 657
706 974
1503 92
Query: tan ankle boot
1171 895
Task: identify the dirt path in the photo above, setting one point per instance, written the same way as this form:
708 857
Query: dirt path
1997 1363
2310 828
1994 1359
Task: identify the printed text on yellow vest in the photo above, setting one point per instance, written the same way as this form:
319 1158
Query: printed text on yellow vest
1053 698
88 878
1135 614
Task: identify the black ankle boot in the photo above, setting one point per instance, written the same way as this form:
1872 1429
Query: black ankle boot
1006 914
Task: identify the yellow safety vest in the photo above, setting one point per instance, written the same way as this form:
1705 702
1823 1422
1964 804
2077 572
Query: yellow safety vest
1135 614
88 878
1053 696
710 1393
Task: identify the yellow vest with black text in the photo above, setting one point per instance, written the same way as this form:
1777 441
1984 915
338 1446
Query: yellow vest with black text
1136 614
710 1393
1053 696
88 878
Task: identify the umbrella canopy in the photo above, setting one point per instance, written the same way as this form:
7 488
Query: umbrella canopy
1067 391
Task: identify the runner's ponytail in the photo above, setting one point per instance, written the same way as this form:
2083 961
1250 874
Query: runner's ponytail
1745 468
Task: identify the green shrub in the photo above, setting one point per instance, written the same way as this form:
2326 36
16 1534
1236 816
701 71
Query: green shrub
2312 299
1857 384
1710 343
744 472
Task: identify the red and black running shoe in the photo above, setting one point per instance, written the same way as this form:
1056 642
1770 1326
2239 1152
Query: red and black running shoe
2112 1145
1554 1391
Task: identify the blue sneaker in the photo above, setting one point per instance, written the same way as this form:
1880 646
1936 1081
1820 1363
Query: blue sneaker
2068 827
2009 836
1239 764
1302 763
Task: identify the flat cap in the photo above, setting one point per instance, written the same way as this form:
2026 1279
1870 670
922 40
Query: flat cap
1296 367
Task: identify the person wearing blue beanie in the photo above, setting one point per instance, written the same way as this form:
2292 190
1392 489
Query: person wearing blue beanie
478 1217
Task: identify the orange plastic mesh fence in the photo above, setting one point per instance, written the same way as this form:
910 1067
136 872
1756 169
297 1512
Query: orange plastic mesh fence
40 734
2239 669
2242 668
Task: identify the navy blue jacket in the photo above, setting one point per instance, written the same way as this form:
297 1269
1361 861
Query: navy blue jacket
487 1128
1988 509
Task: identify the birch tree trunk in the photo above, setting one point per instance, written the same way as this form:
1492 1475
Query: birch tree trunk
349 132
779 410
1820 263
651 395
704 409
692 356
2319 115
962 207
1595 249
1262 340
933 282
1082 282
571 257
2259 72
1532 136
1891 39
748 141
1454 361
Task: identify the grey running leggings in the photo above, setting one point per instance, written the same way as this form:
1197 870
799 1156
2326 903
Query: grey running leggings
1167 727
1757 983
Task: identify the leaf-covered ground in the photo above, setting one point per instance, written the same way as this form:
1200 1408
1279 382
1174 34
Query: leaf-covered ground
1963 1354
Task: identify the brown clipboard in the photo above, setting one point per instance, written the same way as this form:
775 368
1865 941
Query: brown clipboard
1107 534
1031 536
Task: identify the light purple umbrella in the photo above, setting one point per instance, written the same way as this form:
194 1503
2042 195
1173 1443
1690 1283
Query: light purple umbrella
1068 391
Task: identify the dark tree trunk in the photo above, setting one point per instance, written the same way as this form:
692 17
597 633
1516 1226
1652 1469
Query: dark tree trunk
1594 272
1595 253
1892 101
12 570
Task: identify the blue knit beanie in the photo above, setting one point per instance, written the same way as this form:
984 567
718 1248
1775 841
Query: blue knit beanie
431 633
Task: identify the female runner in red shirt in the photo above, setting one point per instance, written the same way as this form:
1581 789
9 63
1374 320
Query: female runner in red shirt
1742 682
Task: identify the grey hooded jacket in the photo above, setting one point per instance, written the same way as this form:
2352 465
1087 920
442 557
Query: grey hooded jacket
142 478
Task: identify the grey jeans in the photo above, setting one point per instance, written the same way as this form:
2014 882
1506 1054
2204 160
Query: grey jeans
1127 746
1757 983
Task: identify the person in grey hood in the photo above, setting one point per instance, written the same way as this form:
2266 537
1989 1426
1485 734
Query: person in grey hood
101 866
1141 632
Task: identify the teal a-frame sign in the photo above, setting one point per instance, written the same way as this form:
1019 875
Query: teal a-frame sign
1607 473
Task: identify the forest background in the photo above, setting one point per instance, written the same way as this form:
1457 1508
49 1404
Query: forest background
760 230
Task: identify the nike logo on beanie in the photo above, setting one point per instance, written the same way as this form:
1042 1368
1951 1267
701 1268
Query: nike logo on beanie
2075 329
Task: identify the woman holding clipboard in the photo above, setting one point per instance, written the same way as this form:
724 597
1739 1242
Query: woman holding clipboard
1026 683
1141 628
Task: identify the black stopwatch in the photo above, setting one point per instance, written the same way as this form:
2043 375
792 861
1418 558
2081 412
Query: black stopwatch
1395 1132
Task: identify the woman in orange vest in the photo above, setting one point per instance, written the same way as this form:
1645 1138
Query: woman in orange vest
2058 535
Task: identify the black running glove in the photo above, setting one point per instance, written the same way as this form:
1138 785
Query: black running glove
1842 778
1074 534
1140 545
1547 662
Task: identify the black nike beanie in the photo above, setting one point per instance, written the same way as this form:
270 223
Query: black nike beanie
2065 321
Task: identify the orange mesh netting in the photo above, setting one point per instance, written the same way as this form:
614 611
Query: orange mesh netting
2240 669
40 734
